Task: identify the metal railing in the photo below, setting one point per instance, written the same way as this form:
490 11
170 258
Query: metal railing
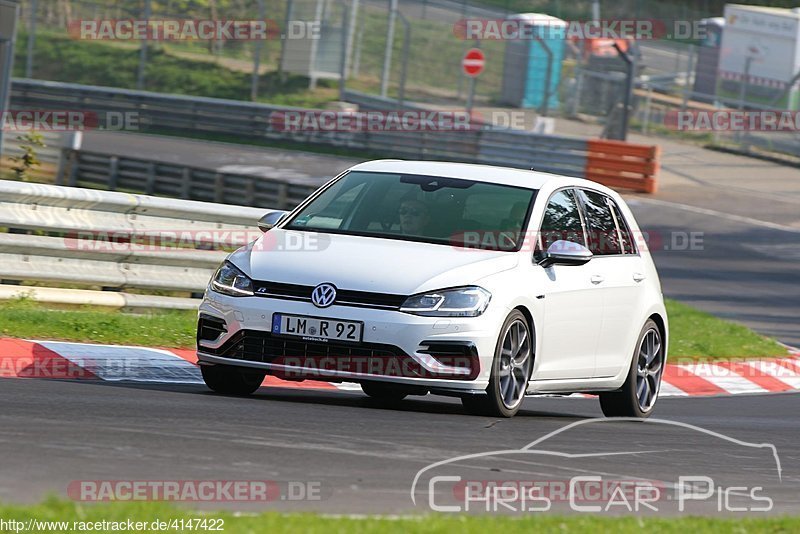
178 113
91 239
122 173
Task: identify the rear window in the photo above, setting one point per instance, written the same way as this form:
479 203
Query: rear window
604 237
628 246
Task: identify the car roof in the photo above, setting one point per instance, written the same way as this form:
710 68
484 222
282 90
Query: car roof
480 173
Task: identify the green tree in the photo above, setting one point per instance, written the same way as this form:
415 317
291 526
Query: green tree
28 159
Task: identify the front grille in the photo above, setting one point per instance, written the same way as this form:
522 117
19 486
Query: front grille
366 358
344 297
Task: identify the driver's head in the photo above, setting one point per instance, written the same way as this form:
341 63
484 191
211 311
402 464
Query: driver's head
414 216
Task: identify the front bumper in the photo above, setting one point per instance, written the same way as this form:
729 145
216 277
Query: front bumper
443 354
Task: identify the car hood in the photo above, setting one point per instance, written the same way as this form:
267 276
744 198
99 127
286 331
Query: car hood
365 263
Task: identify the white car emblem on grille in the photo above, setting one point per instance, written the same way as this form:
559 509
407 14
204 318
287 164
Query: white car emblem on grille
323 295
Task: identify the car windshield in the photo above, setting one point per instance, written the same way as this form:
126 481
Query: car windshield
430 209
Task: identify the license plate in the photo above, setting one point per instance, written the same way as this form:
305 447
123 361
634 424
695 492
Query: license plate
317 328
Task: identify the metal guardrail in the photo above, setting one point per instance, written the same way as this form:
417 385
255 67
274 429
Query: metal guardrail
115 241
122 173
178 113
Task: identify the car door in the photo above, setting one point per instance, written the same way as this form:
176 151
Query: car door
617 271
572 308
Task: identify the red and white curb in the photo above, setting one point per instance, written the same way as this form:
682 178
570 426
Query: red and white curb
115 363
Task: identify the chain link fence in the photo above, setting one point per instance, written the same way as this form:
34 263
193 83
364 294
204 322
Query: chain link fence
411 51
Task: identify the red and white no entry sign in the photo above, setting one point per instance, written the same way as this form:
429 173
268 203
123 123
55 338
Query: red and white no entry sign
473 62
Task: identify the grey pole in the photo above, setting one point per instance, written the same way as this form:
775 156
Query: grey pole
548 76
262 14
289 15
687 89
357 56
143 51
31 40
628 90
343 52
8 33
401 92
471 94
5 83
351 34
745 81
387 53
596 11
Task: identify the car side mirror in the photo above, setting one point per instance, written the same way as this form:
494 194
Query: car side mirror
271 219
565 253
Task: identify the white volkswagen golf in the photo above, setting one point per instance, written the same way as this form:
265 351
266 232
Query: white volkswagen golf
413 277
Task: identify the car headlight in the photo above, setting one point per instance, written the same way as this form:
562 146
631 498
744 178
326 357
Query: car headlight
229 280
460 302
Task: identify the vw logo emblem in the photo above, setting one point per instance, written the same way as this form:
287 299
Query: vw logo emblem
323 295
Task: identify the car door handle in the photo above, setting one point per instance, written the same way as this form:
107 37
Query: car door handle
638 277
596 279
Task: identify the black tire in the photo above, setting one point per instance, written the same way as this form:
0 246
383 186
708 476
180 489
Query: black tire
230 380
385 392
625 402
491 403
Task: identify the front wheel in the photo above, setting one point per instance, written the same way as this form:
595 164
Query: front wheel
232 380
637 396
511 370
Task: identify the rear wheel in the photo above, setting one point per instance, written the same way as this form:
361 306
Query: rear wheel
637 396
232 380
511 370
385 392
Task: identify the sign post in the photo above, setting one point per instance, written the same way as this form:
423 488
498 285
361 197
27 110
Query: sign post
472 64
9 13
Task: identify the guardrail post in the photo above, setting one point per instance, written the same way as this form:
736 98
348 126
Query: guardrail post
186 182
250 192
151 178
113 173
64 161
219 188
73 169
283 196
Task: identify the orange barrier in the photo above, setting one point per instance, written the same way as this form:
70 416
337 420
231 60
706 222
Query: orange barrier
621 164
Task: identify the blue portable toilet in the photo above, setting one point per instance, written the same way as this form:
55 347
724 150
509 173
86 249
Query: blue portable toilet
526 62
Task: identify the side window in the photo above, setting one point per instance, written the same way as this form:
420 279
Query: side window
603 236
562 220
625 231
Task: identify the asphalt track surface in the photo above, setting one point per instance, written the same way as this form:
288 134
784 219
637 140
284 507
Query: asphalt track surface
735 269
363 456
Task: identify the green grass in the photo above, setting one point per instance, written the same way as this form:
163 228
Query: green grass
273 522
24 318
60 58
694 335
